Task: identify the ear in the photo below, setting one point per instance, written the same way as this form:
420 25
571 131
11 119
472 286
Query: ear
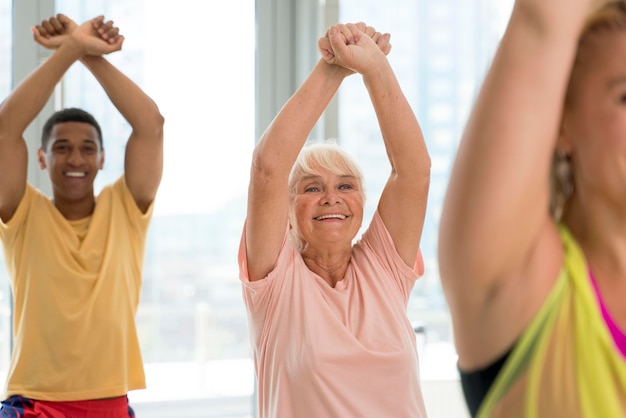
101 164
41 158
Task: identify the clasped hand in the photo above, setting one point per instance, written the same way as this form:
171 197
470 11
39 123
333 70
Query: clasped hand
96 36
355 46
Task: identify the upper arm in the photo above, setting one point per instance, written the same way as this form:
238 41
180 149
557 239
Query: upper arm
267 217
499 188
144 162
499 251
14 167
402 208
402 205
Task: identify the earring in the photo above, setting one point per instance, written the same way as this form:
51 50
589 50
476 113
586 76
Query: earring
562 183
564 174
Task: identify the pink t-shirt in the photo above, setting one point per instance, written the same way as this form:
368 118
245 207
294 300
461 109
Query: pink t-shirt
348 351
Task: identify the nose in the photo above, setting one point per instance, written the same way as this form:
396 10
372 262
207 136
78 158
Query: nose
330 198
75 158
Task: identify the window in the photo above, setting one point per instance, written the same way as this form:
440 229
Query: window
6 40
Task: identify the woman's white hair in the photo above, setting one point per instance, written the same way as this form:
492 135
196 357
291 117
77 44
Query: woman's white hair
323 156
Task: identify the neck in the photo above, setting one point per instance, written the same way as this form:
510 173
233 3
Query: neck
75 209
600 230
329 265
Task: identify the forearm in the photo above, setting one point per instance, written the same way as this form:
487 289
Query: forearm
29 97
400 129
289 130
135 106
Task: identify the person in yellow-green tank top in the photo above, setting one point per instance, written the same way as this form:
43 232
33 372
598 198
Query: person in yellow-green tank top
532 248
75 261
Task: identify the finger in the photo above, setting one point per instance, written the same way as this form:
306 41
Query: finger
39 31
97 21
369 31
356 33
116 45
337 38
323 45
112 34
347 34
43 40
47 27
64 20
361 26
384 44
105 29
38 34
56 24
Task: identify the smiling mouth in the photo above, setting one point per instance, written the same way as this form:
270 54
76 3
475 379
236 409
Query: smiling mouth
75 174
331 216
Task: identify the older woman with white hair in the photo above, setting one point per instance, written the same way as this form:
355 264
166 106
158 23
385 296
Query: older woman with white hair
327 316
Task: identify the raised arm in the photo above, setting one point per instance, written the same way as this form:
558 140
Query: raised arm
273 157
27 100
276 152
402 205
496 233
143 165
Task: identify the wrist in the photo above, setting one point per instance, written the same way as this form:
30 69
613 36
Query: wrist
74 47
335 71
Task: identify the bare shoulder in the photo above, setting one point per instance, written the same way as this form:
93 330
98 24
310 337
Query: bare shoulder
488 322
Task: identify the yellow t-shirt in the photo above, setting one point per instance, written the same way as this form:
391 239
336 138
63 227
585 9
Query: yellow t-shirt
76 287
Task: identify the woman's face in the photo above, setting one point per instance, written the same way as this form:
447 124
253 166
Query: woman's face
594 120
326 209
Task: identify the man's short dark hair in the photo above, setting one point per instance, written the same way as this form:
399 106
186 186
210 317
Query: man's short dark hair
71 114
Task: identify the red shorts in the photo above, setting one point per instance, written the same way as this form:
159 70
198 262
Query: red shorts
20 407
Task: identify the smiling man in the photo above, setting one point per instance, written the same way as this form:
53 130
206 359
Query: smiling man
72 152
75 260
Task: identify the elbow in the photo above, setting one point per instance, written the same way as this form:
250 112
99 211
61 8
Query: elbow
155 124
422 169
261 165
425 165
158 120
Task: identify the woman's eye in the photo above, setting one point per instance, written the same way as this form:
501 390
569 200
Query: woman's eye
311 189
346 187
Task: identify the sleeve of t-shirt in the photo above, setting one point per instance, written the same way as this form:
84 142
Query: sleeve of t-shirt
8 229
377 242
134 213
257 293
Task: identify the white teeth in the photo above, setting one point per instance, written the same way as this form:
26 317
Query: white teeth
75 174
331 216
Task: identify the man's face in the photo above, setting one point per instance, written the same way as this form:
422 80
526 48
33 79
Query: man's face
73 157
